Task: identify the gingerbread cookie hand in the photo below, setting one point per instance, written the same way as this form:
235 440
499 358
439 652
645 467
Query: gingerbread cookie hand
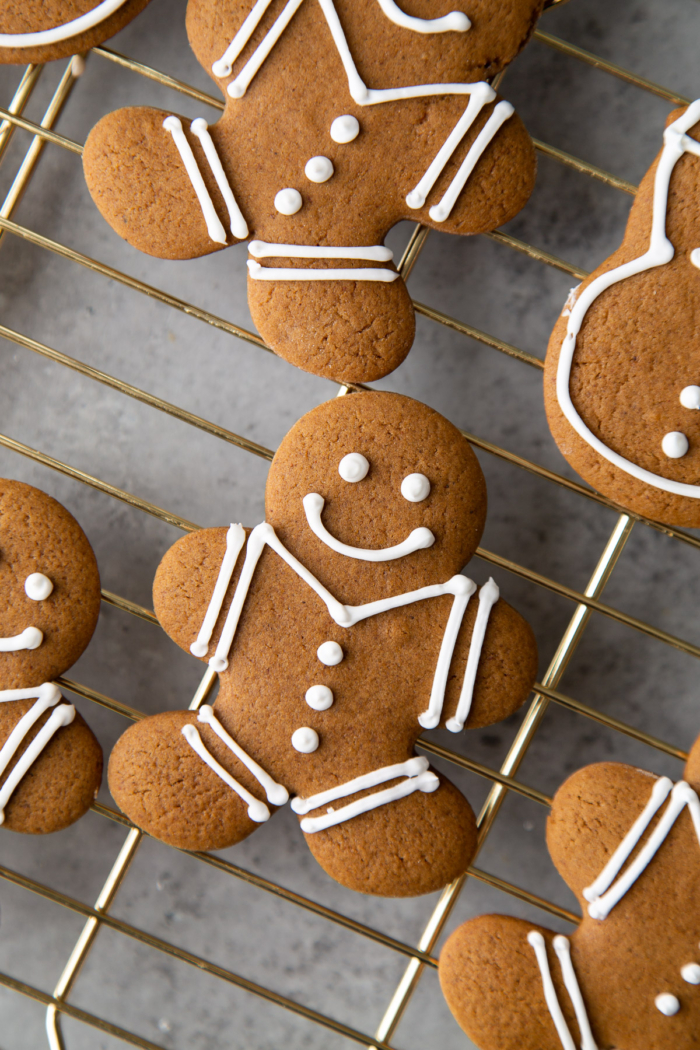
623 363
342 118
628 845
340 628
50 762
36 31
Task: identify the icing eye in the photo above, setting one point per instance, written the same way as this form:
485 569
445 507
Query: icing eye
318 169
345 129
675 444
353 467
690 397
667 1004
38 587
415 488
288 202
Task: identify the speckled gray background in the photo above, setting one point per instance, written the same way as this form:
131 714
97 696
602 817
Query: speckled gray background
559 534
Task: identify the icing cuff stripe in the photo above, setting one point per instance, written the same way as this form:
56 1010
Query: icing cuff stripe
423 782
287 273
216 231
257 810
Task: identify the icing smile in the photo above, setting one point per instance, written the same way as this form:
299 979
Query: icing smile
417 540
30 638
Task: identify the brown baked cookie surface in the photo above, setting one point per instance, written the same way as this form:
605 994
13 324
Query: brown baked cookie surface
628 845
341 628
50 762
41 30
622 375
360 114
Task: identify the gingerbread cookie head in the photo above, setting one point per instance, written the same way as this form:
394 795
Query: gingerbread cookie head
37 31
341 629
628 845
622 376
50 762
342 118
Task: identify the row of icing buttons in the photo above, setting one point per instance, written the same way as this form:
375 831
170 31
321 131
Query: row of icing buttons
319 169
319 697
675 444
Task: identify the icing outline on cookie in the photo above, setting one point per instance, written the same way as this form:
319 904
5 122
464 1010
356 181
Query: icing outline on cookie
659 252
45 37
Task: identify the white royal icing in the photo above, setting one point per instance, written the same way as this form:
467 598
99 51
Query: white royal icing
455 22
319 169
319 697
199 127
37 586
415 488
330 654
417 540
285 273
276 793
265 250
667 1004
345 129
235 538
674 444
691 973
305 740
690 397
354 467
47 696
659 252
418 778
63 32
288 201
563 951
604 893
30 638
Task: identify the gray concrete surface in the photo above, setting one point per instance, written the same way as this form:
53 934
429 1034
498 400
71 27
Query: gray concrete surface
564 102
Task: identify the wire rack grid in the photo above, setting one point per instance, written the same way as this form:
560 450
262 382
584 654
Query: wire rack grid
502 781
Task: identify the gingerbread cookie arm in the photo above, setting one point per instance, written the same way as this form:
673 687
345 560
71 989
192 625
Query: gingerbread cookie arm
161 183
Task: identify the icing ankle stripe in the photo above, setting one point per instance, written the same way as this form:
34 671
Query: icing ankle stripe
423 781
562 948
287 273
257 810
276 793
455 22
44 37
48 696
265 250
488 596
215 229
659 252
411 768
682 795
235 538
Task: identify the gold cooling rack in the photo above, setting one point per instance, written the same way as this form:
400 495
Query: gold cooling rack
503 779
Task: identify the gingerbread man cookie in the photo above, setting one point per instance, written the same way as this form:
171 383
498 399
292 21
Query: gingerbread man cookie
340 629
622 376
50 762
41 30
628 845
342 118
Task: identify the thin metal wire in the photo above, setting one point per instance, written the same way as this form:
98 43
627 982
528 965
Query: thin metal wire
502 780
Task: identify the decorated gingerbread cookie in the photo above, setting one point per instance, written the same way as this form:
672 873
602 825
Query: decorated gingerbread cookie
50 762
622 376
41 30
340 629
342 117
628 845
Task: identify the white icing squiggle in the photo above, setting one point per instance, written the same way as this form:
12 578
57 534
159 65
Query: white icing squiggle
417 540
44 37
563 950
418 778
372 252
47 696
235 538
239 227
286 273
682 795
659 252
30 638
455 22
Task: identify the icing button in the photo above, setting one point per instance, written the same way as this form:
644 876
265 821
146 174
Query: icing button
353 467
674 444
305 740
667 1004
345 129
318 169
691 973
690 397
329 653
320 698
288 201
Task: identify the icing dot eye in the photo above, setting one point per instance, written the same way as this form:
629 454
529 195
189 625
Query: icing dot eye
345 129
38 587
319 697
675 444
353 467
288 201
667 1004
305 740
415 487
318 169
691 973
329 654
690 397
